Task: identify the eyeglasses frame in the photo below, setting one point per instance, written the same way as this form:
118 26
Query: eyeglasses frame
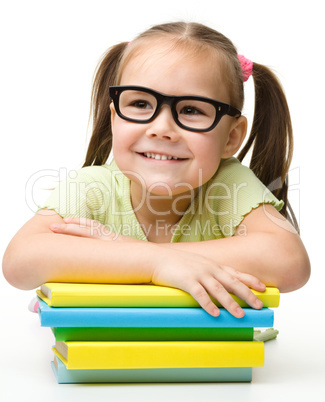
222 108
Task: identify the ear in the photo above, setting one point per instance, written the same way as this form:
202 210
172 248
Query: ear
236 137
113 114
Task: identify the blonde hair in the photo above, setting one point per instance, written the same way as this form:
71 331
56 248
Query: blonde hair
271 137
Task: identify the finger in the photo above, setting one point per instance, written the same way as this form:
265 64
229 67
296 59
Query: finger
202 297
249 280
235 286
220 293
79 221
96 229
73 230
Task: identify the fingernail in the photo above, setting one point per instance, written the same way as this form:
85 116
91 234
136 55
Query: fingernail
240 311
259 303
216 312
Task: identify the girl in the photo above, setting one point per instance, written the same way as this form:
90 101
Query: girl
174 207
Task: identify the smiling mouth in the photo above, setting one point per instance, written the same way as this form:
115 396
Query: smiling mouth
161 157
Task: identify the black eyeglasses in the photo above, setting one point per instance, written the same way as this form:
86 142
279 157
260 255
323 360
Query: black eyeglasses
194 113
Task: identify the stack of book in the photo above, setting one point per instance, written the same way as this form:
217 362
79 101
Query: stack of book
148 333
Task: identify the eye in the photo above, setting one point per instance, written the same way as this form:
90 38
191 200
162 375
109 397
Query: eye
141 104
190 110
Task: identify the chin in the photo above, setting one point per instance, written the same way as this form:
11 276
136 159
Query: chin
167 191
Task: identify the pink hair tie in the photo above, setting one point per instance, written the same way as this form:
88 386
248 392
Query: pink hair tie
246 66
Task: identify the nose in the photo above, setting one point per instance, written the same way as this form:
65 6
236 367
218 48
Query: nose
164 126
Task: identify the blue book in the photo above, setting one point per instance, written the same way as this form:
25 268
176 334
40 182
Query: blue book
128 317
205 374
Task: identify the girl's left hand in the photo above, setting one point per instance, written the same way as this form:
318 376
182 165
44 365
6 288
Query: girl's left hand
89 228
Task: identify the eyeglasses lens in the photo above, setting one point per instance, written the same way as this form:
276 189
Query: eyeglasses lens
140 106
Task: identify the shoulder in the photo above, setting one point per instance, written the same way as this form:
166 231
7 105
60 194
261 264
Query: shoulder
233 192
240 181
107 175
87 192
94 172
232 175
231 169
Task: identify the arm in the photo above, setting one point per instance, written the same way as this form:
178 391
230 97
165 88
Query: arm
37 255
265 245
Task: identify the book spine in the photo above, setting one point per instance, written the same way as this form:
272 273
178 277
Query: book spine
150 317
152 334
170 375
90 295
136 355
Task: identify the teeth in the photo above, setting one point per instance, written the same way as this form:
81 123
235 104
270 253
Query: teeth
159 157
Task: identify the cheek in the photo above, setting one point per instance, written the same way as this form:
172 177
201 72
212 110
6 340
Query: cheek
121 133
126 130
119 145
125 136
209 149
209 155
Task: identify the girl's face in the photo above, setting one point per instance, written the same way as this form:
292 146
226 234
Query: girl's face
198 154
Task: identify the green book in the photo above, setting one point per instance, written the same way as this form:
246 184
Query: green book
152 334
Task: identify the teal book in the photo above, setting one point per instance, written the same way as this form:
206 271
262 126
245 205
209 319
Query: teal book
150 317
165 375
152 334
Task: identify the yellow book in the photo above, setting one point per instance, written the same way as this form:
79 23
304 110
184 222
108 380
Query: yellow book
141 355
115 295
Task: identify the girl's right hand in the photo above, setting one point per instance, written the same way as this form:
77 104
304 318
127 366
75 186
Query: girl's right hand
201 276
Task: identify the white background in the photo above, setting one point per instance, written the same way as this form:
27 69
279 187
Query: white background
49 51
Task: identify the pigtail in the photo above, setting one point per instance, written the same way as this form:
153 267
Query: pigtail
101 140
271 137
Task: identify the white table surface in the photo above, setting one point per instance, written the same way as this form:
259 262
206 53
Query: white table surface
294 363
